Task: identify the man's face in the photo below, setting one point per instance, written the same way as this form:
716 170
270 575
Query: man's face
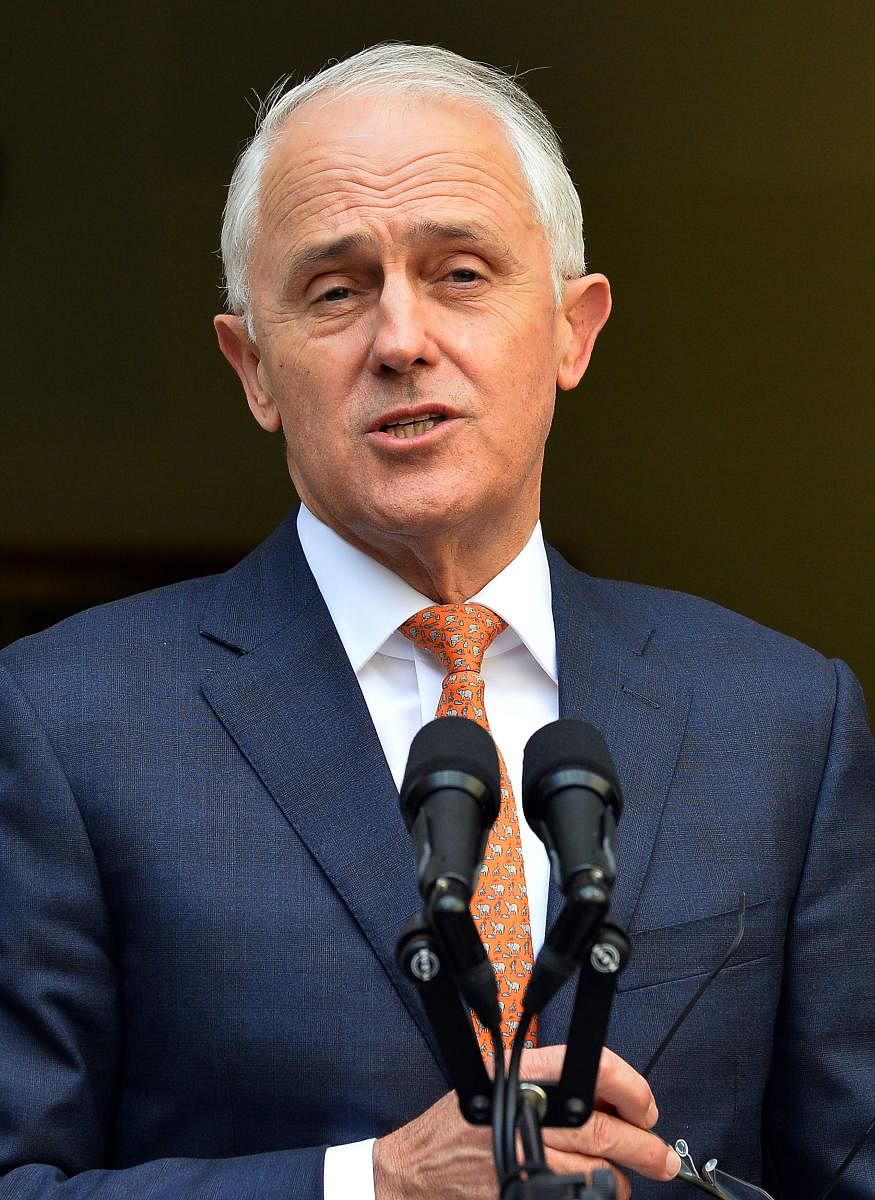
407 339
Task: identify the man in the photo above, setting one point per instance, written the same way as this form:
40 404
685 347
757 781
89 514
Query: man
204 868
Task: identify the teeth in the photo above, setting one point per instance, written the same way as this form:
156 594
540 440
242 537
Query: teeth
412 426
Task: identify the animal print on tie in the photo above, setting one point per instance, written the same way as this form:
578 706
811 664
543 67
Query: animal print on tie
458 635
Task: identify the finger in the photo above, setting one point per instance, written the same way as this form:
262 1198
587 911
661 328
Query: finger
618 1086
608 1137
627 1092
544 1062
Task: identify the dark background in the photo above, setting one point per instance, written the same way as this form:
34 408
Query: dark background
723 441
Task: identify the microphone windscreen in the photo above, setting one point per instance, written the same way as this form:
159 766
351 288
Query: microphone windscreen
451 744
562 745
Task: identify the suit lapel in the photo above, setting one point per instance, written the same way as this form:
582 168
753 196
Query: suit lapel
292 704
608 678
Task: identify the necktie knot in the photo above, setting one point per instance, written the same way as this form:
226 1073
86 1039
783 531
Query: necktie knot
458 635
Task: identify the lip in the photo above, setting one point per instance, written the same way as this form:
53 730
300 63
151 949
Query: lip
416 412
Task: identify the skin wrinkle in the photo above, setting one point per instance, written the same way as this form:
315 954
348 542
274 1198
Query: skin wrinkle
489 239
398 318
307 118
412 171
324 195
324 252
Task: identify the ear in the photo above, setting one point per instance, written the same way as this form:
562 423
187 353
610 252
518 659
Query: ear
244 356
585 308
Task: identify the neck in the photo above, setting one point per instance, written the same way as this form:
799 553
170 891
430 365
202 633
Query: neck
448 568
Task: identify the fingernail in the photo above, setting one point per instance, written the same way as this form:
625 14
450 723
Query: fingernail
652 1114
672 1163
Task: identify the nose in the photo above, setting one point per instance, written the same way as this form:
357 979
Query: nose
401 337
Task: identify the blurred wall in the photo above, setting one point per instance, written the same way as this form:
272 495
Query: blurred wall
723 441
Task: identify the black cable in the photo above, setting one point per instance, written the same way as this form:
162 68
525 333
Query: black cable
499 1098
530 1167
512 1090
826 1191
524 1170
663 1045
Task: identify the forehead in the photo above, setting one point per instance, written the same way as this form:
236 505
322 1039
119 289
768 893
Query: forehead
384 162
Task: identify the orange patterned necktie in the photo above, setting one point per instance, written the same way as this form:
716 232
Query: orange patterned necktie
458 636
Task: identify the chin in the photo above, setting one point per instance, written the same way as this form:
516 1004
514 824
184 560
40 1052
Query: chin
416 519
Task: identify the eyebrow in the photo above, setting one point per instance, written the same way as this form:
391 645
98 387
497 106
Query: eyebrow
473 231
435 231
425 230
320 252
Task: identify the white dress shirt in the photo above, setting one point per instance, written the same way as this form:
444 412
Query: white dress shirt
402 686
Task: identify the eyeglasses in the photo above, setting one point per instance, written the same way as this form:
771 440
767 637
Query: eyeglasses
714 1181
711 1179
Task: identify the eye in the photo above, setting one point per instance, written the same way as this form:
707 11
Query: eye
464 275
334 294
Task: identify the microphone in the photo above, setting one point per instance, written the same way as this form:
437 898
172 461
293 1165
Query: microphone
572 800
449 801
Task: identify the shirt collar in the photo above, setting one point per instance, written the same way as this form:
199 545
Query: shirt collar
368 602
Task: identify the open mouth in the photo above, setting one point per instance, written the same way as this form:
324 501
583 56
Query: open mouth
412 426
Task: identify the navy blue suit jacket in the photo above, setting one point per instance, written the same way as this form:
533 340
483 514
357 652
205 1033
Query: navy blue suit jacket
203 873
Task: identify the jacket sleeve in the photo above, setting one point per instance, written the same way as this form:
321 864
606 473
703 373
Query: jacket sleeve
822 1084
61 1031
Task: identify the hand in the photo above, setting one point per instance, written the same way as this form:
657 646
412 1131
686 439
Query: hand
440 1154
616 1133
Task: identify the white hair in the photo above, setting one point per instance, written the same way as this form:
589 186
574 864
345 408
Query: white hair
394 66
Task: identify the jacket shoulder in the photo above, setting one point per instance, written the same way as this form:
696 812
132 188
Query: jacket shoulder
167 612
692 634
252 593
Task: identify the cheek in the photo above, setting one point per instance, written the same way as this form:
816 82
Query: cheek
531 371
536 391
328 371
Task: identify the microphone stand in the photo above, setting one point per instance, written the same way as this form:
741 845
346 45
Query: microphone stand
588 937
421 957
